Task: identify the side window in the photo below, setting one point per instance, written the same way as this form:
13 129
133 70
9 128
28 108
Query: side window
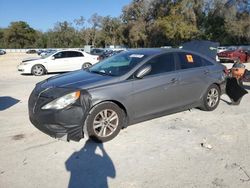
188 60
74 54
161 64
60 55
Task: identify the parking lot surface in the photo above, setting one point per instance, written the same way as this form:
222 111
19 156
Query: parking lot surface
187 149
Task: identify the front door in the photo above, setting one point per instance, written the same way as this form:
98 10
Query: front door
58 63
157 91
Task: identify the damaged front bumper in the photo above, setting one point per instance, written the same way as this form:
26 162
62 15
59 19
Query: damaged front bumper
66 124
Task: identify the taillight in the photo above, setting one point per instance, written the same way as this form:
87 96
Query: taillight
98 58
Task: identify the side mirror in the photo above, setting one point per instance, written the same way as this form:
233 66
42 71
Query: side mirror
52 58
143 71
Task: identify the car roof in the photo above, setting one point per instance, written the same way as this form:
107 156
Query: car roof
69 50
157 51
150 51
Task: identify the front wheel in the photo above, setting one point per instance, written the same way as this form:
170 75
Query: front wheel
38 70
211 98
104 122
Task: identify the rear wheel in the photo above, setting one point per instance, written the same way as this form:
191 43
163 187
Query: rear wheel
211 98
104 122
38 70
86 65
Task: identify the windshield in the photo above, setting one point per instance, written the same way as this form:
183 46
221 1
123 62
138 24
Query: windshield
48 54
118 65
232 48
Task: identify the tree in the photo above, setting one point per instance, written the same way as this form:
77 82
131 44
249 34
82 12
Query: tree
176 27
2 40
136 10
95 22
63 35
143 23
135 18
87 36
41 40
237 22
20 35
110 30
80 22
159 8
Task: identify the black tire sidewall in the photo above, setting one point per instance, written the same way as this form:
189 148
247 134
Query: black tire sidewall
32 70
94 111
206 107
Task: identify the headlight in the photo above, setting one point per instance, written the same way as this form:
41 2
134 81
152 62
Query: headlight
23 63
62 102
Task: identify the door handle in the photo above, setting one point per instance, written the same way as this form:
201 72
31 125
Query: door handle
172 82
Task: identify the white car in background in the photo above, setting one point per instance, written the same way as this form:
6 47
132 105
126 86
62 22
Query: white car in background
60 61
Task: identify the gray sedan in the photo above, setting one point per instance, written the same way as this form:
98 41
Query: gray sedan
125 89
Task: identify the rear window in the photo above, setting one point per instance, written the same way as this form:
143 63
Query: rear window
74 54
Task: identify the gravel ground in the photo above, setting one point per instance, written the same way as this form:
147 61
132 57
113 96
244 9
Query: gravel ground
163 153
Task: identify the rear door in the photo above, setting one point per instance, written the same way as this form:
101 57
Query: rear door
75 60
194 77
157 91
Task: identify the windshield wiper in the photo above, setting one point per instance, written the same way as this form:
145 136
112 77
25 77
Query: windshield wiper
101 73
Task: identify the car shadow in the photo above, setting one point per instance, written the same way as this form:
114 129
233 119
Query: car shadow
88 168
7 102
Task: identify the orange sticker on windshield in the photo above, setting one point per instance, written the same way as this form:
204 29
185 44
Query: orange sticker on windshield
190 58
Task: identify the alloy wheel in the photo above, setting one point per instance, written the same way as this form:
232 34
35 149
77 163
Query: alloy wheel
212 97
38 70
86 65
105 123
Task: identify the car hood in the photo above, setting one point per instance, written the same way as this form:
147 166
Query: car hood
79 79
228 51
31 59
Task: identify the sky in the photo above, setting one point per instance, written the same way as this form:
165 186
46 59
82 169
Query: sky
43 14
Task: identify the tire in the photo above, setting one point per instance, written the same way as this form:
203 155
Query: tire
38 70
86 65
98 127
211 99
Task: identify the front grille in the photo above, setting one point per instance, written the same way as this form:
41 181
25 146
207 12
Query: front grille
32 100
36 101
41 101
